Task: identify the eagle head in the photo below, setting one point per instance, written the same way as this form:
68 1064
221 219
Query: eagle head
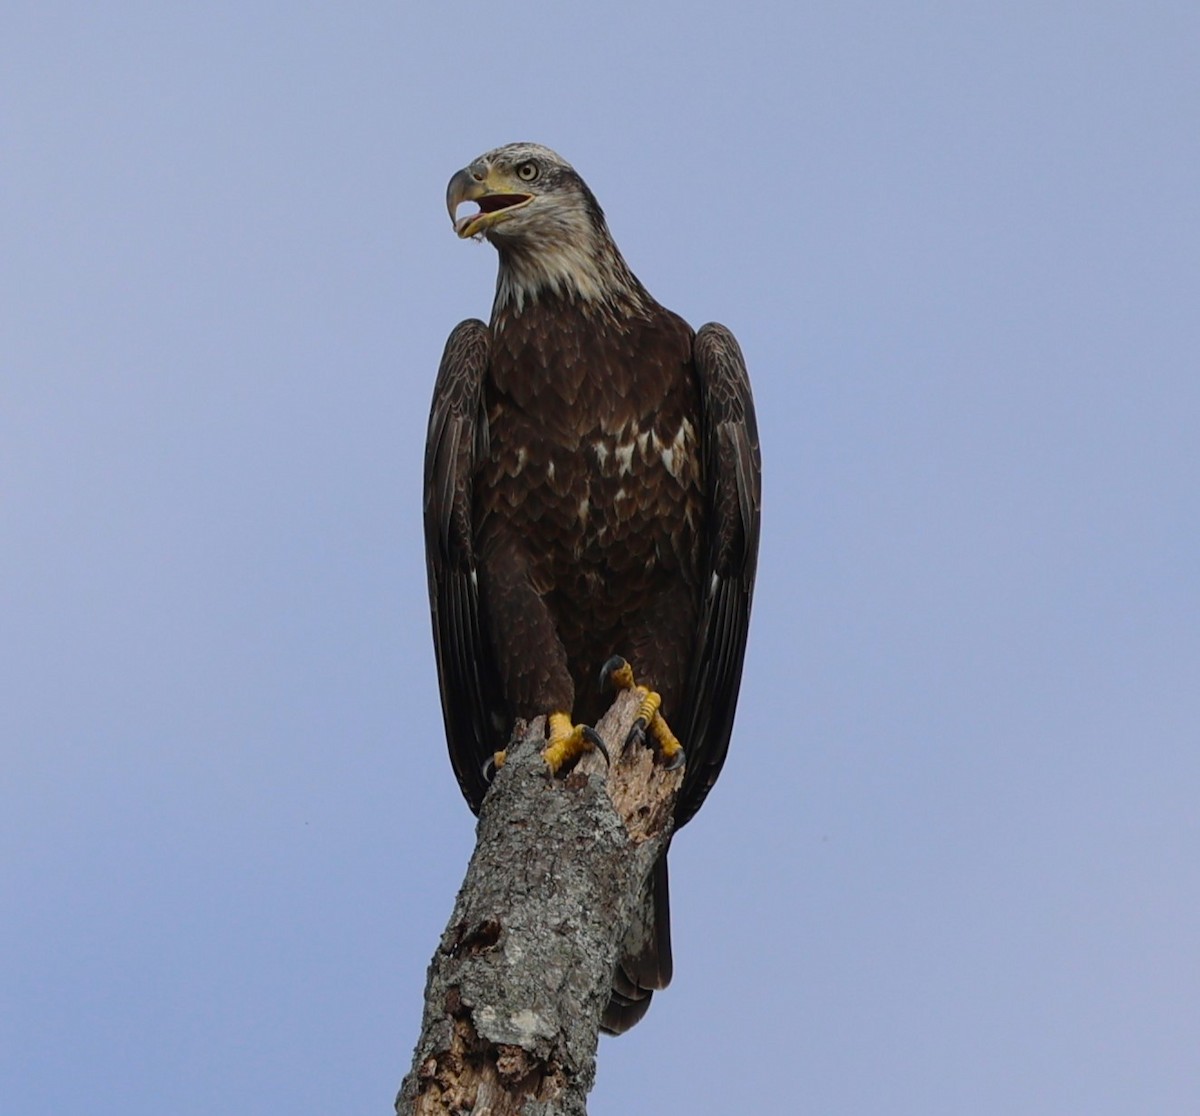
525 192
546 224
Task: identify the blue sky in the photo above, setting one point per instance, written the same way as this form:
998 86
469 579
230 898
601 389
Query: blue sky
951 865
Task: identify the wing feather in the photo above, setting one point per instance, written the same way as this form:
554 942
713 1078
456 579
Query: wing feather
733 471
466 675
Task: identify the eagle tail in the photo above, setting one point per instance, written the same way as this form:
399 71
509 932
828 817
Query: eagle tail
645 964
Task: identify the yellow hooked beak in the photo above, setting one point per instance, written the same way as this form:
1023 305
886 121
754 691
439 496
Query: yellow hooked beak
492 189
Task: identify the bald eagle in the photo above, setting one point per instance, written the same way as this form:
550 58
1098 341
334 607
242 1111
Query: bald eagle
592 482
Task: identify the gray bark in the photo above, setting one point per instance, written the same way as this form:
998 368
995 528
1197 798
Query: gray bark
524 968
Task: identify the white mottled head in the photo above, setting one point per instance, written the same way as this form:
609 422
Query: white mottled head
547 226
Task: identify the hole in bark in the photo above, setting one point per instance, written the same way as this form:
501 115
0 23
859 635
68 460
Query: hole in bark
483 937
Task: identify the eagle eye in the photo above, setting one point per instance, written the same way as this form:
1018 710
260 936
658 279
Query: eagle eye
528 172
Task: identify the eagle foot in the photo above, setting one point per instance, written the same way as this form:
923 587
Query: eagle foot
617 674
491 765
567 742
665 741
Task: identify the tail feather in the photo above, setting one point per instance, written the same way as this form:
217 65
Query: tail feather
645 964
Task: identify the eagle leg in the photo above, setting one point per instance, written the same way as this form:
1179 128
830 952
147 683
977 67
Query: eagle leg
567 742
617 674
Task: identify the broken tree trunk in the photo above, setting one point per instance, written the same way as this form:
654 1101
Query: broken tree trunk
524 968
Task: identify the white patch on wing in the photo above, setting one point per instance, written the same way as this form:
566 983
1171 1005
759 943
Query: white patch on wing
550 469
625 457
677 448
584 508
522 456
601 451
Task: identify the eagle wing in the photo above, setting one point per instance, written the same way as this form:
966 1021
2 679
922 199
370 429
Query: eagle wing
733 469
457 441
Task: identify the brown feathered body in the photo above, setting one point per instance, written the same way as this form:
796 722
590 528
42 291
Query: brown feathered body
590 506
591 489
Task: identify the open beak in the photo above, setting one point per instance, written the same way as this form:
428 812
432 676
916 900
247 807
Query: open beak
477 183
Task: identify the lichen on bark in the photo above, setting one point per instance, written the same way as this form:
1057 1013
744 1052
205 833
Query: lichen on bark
524 968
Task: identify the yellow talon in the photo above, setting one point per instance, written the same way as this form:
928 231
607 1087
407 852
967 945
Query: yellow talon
667 741
567 742
648 709
621 677
618 674
492 765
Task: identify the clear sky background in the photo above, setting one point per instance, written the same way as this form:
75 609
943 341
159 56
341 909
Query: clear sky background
953 864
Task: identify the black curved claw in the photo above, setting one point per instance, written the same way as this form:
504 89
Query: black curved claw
608 673
637 733
676 761
593 738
